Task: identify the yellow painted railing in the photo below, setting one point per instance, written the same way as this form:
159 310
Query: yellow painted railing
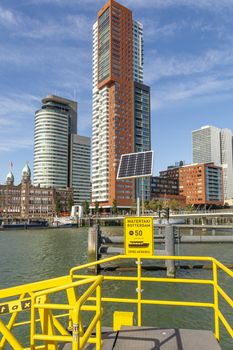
79 338
50 323
53 332
139 279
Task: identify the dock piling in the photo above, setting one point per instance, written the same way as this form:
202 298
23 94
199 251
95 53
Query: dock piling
170 249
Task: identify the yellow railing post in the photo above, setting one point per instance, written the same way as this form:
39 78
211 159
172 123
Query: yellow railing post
33 323
51 345
139 291
10 324
99 323
10 337
72 298
76 328
216 317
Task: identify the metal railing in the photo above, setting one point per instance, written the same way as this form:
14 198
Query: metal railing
45 326
53 331
79 337
139 279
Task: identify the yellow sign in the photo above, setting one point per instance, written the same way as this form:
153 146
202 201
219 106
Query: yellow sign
139 236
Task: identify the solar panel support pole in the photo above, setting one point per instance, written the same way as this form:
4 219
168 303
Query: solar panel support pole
138 206
142 196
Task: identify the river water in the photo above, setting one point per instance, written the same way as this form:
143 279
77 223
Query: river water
32 255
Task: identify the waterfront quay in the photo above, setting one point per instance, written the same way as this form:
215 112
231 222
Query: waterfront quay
213 218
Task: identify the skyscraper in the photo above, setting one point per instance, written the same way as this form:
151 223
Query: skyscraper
58 157
80 169
142 133
117 65
54 123
211 144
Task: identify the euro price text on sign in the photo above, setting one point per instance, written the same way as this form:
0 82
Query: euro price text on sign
139 236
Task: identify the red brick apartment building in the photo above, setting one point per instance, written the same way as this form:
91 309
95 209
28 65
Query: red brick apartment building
200 184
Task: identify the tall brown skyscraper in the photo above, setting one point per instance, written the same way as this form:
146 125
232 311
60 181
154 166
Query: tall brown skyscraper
117 64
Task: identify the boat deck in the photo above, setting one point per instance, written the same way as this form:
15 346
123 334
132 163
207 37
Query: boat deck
150 338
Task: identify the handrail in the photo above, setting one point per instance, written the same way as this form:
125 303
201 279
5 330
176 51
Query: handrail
76 316
35 286
139 279
38 293
78 339
94 263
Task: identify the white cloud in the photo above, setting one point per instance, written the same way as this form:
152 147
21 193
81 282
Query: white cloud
164 67
209 87
7 17
59 2
15 144
202 4
17 105
155 30
70 27
210 4
16 121
14 56
4 122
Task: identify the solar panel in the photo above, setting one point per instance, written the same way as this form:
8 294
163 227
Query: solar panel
135 165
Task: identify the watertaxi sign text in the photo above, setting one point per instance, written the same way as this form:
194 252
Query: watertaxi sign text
139 238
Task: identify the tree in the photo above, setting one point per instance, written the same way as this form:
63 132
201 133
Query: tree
134 207
70 203
146 205
58 205
155 205
114 206
174 205
86 208
97 207
189 207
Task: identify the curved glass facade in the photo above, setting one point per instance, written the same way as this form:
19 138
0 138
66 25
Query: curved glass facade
51 140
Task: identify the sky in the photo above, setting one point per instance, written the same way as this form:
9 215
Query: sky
46 48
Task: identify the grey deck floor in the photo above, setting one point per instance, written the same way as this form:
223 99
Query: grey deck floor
150 338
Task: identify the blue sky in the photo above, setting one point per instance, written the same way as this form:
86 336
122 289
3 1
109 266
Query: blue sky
46 48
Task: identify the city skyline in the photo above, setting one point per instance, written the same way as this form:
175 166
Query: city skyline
188 64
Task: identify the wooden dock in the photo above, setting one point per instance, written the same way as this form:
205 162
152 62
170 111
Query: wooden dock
150 338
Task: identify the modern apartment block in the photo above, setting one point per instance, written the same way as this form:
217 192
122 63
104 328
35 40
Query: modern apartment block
58 161
80 168
165 189
142 132
211 144
117 67
162 186
200 183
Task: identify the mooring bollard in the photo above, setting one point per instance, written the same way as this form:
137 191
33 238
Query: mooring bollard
170 250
